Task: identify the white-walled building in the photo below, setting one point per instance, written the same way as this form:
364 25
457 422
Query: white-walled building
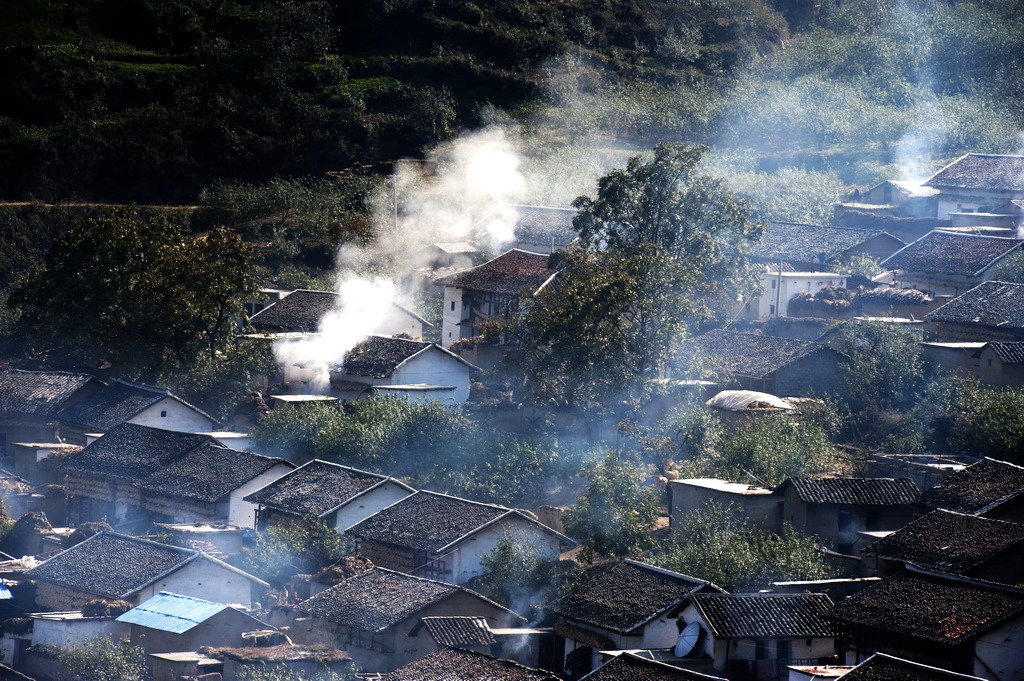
977 183
777 289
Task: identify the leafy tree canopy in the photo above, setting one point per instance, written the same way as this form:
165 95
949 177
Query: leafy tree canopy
102 659
292 546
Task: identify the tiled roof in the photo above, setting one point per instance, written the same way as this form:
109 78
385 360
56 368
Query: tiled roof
625 596
509 273
302 310
951 542
111 565
978 488
378 356
544 225
859 491
749 354
427 521
452 664
208 473
949 253
1008 353
765 615
112 405
792 242
40 393
457 631
315 488
882 667
630 667
936 608
130 452
377 598
988 172
992 303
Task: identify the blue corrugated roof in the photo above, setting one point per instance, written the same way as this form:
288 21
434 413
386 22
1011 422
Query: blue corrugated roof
172 612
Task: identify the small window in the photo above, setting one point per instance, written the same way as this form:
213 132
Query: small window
453 306
163 414
773 283
771 309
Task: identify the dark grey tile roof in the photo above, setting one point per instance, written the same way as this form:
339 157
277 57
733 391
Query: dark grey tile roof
1008 353
207 473
377 598
427 521
948 253
131 453
765 615
988 172
793 242
947 541
458 631
859 491
750 354
315 488
935 608
629 667
978 488
882 667
626 596
302 310
993 303
110 405
378 356
111 565
40 393
452 664
509 274
544 225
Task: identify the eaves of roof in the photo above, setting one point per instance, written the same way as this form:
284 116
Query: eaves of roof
512 512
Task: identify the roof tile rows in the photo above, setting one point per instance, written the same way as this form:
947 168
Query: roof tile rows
936 608
207 473
315 488
793 242
977 489
859 491
507 274
427 521
379 356
988 172
451 664
544 225
881 667
40 393
992 303
303 309
947 541
626 596
110 406
749 354
629 667
1008 353
761 616
949 253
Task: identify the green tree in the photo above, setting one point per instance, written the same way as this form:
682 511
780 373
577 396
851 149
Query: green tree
515 577
139 291
101 659
291 546
1011 268
663 247
882 364
618 513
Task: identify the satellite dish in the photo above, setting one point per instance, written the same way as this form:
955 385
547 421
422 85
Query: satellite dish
687 639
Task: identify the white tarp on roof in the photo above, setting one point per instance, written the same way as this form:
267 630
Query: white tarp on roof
741 400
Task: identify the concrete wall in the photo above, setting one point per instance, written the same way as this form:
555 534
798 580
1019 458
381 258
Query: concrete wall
397 322
365 505
453 315
838 525
434 367
999 654
760 510
816 375
992 372
203 578
242 513
66 632
791 283
171 414
464 563
222 630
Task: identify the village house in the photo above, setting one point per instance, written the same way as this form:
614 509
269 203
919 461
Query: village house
812 248
628 606
397 367
990 488
170 622
1000 365
444 537
530 646
992 311
632 667
882 667
952 622
301 312
118 567
948 264
957 543
491 291
29 400
372 614
837 510
25 641
977 183
339 495
750 504
779 288
756 636
290 660
457 663
903 198
537 229
778 366
135 474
